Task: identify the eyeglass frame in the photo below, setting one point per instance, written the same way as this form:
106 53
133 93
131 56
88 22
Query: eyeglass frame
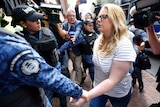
102 17
90 25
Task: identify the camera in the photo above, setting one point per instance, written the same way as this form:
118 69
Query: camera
146 12
52 11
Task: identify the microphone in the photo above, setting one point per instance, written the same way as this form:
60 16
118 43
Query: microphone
72 32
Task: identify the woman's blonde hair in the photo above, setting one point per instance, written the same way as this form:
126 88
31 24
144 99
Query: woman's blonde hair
117 17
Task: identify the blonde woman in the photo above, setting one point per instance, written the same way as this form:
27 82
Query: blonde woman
113 55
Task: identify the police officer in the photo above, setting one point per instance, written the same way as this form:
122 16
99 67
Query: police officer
41 38
24 71
22 89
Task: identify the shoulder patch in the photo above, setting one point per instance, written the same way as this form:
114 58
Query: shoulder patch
30 66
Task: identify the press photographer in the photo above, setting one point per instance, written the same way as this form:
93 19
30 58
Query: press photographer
148 12
52 19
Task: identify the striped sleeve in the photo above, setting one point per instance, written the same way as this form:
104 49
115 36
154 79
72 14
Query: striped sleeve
125 51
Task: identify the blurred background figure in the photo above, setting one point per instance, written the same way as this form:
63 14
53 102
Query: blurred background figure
137 31
74 27
87 46
139 41
5 21
88 15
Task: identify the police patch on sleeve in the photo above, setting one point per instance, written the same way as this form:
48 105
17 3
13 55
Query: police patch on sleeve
30 66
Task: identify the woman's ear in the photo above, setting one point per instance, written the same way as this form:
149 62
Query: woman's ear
22 23
84 25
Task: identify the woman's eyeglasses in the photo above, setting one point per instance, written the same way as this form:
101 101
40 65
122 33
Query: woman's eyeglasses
102 17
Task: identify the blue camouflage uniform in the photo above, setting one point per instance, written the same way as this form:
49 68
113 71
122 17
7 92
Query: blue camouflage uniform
22 65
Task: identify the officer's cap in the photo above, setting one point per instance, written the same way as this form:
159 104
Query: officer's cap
88 21
24 12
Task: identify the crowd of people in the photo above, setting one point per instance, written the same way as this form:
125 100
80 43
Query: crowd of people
34 57
139 37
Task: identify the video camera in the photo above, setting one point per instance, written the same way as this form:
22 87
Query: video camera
146 11
52 11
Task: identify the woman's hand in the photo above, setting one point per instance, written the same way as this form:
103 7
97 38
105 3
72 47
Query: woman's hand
79 102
